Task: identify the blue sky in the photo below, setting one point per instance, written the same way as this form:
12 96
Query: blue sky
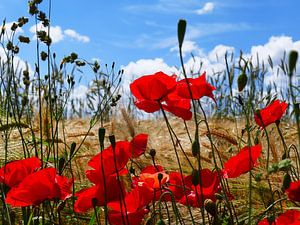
128 31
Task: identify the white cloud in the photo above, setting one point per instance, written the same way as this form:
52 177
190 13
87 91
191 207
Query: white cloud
77 37
207 8
143 67
188 47
8 31
57 34
79 92
218 53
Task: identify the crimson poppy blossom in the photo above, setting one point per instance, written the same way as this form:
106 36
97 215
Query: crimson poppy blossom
14 172
153 92
240 163
178 106
293 192
270 114
150 89
102 194
122 154
210 185
135 204
176 185
290 217
138 145
198 86
43 185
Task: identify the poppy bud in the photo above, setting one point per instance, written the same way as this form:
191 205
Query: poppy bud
195 177
61 164
160 176
101 136
181 31
195 148
286 181
152 153
242 81
72 148
210 207
112 140
293 57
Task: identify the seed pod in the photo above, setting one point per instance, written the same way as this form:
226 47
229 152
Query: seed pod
286 181
293 57
181 31
101 136
242 81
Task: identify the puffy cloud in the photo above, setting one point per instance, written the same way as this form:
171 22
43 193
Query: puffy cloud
74 35
57 34
218 53
207 8
8 31
79 92
143 67
275 48
187 48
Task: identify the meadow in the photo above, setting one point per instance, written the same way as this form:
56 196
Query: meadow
188 148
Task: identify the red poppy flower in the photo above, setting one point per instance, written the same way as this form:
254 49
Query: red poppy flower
14 172
176 185
150 89
178 106
199 88
290 217
98 192
240 163
122 154
135 202
293 192
210 186
38 187
270 114
138 145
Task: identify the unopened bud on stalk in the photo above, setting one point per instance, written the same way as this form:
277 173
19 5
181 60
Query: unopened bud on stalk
181 31
72 148
160 177
61 164
242 81
112 140
293 57
286 181
101 136
152 153
210 207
